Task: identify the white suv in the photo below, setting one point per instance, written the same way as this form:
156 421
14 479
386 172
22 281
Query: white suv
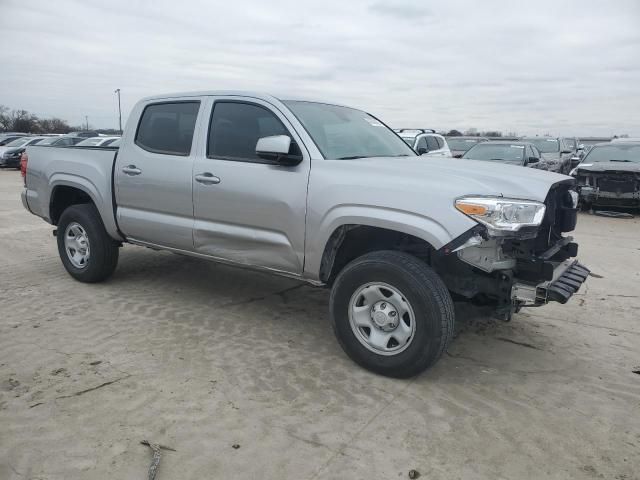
425 141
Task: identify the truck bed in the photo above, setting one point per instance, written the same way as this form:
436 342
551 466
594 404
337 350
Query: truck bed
88 168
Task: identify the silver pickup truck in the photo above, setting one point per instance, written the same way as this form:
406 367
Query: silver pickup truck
322 193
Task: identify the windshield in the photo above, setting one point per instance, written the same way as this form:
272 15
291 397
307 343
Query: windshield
18 142
48 141
545 145
512 154
343 133
462 144
89 142
613 153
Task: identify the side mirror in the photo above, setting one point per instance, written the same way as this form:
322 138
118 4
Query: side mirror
276 148
422 151
533 160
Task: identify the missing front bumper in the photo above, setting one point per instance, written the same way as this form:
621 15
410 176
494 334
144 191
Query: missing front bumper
567 279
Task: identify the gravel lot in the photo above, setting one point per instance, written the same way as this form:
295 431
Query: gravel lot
203 357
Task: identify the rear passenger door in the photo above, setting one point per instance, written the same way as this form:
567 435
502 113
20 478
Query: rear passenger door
249 210
153 175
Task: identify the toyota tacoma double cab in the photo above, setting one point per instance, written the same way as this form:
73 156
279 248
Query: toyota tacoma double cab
323 193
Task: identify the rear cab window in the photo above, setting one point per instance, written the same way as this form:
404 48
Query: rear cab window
167 128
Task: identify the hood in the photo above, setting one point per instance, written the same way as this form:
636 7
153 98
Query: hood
458 177
622 167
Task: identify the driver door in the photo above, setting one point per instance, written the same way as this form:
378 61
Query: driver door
248 210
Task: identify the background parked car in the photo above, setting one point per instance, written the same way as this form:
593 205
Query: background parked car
511 153
62 141
460 145
84 134
11 152
555 153
425 141
10 137
97 142
609 175
570 142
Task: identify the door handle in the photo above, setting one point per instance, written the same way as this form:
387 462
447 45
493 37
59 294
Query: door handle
132 170
207 178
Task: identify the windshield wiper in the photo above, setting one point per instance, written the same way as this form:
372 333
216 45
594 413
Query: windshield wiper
352 157
624 161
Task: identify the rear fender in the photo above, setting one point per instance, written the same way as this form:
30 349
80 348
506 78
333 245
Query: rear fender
102 201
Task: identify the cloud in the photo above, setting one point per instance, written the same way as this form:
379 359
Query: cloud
560 67
405 10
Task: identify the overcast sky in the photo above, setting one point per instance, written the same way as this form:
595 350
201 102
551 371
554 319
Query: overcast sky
535 67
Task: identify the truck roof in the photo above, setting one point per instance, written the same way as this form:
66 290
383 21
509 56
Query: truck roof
237 93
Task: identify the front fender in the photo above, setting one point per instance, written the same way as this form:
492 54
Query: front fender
425 228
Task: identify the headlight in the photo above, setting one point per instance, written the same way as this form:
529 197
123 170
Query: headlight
502 215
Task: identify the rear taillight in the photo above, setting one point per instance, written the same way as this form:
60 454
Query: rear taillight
24 159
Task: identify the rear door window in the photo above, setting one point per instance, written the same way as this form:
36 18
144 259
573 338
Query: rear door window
167 128
432 143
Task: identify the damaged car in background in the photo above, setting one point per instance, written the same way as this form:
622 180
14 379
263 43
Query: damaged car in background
609 176
556 154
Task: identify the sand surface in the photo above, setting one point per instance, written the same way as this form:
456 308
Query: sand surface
202 357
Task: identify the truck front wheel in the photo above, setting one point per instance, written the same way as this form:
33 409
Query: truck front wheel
392 313
87 251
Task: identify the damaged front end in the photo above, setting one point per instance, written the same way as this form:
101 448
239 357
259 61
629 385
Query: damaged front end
608 188
521 260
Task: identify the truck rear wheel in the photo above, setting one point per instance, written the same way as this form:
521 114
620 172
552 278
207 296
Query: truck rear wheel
87 251
392 313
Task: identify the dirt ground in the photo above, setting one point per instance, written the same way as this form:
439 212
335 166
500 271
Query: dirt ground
240 373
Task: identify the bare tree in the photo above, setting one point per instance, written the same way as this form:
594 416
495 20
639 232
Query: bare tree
5 120
23 121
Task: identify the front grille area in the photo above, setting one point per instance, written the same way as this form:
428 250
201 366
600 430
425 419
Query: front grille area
617 183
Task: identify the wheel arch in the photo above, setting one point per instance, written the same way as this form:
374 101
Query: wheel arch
327 235
349 241
67 190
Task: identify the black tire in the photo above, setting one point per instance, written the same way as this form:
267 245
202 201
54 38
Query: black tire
425 292
103 257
